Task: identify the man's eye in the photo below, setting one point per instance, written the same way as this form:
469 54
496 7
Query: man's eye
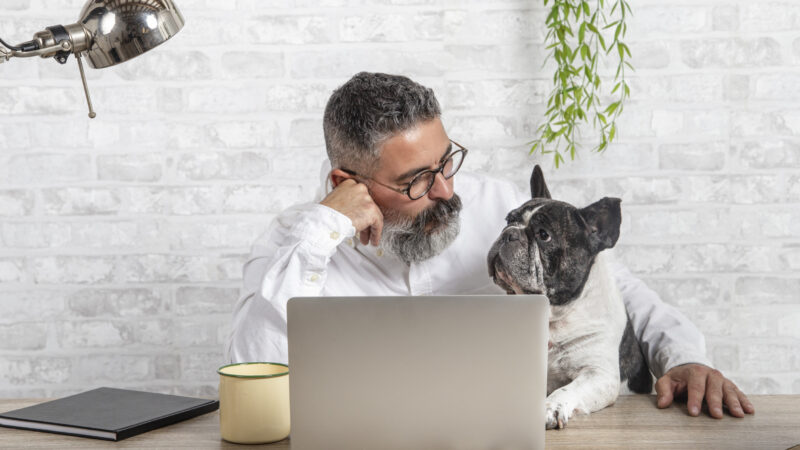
543 235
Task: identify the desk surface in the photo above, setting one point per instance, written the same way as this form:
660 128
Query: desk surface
633 422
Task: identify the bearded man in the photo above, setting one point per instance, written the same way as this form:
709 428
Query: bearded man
392 168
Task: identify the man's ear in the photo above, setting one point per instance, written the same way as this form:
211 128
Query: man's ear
339 175
538 186
603 219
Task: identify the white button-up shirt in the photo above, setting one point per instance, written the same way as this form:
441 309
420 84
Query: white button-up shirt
312 250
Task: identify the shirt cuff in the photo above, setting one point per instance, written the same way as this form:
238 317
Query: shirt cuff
667 358
323 228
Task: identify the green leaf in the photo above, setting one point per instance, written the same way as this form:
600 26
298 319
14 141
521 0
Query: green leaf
585 6
612 132
593 28
611 108
581 32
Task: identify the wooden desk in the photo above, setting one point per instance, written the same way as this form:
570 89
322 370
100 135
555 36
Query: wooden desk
634 422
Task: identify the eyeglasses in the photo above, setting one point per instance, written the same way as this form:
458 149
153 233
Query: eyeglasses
422 183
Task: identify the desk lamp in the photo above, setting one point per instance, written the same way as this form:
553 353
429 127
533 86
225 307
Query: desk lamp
108 32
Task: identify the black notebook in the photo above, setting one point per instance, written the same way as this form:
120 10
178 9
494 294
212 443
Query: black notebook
107 413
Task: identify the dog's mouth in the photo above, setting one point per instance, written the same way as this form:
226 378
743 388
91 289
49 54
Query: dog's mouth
502 279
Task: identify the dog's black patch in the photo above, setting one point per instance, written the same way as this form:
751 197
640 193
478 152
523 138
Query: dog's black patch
632 365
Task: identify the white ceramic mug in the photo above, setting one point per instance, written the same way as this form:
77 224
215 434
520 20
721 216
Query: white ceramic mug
254 402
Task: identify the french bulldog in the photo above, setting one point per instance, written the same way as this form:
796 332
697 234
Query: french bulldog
553 248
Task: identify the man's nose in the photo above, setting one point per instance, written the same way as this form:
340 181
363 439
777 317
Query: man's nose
441 189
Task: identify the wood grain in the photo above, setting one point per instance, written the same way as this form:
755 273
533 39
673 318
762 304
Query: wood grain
633 422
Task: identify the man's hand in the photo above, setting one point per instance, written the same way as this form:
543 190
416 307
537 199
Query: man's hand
697 381
353 200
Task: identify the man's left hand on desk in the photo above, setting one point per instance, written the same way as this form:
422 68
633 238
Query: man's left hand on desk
697 382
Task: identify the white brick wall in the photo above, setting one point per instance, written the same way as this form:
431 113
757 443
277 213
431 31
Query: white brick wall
122 238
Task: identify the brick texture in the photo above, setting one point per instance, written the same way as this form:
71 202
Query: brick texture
122 238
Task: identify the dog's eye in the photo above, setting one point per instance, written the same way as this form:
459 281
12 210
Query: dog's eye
543 235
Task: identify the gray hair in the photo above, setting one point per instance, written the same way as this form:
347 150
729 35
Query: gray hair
369 109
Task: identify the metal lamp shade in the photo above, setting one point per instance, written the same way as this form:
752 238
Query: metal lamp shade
124 29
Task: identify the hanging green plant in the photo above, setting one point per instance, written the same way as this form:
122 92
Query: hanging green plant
576 29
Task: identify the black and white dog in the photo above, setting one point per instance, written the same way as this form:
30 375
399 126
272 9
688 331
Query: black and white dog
552 248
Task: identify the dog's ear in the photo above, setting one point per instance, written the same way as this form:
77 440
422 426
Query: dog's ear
538 186
603 219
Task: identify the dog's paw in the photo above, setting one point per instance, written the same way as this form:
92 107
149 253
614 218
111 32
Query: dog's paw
556 415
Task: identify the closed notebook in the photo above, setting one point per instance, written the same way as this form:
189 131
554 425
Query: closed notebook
107 413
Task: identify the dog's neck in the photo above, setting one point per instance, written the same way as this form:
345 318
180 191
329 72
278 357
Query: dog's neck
599 286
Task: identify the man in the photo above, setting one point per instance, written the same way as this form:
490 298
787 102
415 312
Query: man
394 187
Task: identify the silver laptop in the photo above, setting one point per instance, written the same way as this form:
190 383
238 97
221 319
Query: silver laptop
418 372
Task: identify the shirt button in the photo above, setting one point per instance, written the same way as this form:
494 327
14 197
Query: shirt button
314 277
334 235
379 252
350 243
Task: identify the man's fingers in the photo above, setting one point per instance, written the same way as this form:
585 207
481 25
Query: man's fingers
664 389
745 402
377 228
732 400
364 236
696 388
714 394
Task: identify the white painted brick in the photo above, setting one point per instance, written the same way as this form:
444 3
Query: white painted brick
693 156
244 134
306 132
252 64
71 269
375 28
196 332
173 200
80 201
95 368
12 270
778 223
155 268
260 199
289 30
16 202
146 168
41 100
774 356
709 53
32 370
482 27
166 64
725 17
201 366
128 302
671 20
496 93
29 304
167 367
777 87
343 64
769 16
205 300
92 334
766 290
13 136
198 233
725 358
23 336
223 99
769 153
32 169
671 224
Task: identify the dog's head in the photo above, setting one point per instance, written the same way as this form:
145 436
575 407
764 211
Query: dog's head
548 247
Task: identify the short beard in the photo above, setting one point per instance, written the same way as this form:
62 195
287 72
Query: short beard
407 239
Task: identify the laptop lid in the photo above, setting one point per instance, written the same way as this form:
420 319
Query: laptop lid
418 372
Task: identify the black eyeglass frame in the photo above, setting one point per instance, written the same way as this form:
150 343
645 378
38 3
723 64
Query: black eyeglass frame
407 190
